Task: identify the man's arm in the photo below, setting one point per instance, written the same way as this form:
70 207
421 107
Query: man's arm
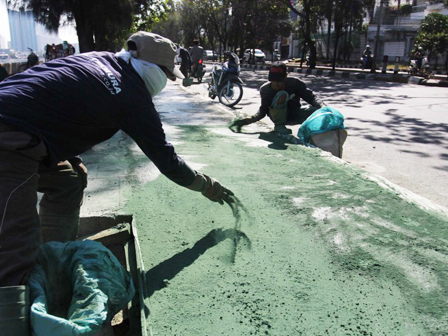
266 101
307 94
144 126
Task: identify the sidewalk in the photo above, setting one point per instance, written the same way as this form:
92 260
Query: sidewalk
353 73
315 246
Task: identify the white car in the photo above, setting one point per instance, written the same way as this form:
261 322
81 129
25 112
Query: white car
209 55
259 56
4 58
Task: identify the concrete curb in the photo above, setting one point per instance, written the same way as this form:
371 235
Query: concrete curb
437 72
396 78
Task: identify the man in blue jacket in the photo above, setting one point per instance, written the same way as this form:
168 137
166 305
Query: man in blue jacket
54 112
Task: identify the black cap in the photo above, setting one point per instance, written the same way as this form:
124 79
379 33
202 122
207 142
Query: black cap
277 72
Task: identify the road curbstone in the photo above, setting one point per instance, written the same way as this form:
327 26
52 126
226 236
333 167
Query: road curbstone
349 73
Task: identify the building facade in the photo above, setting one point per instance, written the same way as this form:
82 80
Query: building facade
22 30
398 28
391 31
27 33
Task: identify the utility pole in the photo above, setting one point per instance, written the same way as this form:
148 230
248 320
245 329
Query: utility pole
377 38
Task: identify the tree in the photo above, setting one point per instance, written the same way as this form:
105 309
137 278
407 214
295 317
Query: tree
307 25
218 22
234 24
149 13
262 21
192 21
100 24
349 17
433 35
328 14
169 24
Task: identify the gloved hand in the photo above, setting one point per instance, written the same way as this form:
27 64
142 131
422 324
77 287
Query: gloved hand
211 189
236 124
318 103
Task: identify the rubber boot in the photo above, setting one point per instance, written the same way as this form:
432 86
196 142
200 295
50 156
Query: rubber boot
15 311
58 227
278 116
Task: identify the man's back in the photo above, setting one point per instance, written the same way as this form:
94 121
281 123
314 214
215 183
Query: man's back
196 53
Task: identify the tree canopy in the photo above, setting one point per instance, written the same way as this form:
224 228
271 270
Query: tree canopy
249 24
433 34
228 24
100 24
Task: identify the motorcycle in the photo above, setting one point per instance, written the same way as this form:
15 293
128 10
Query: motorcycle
198 70
425 70
225 82
366 62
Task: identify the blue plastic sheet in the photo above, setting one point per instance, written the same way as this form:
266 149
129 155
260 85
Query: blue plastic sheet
75 288
323 120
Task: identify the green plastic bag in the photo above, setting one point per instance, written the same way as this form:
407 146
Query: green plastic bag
75 288
321 121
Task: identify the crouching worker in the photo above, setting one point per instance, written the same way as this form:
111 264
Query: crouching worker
280 100
54 112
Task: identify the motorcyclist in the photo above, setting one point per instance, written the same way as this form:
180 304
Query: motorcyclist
196 54
366 56
419 54
276 56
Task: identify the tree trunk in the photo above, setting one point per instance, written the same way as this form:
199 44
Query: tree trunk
308 40
350 42
335 49
83 26
329 40
329 15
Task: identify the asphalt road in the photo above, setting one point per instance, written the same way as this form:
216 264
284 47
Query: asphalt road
398 131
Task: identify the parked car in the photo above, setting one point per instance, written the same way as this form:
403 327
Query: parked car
259 56
210 55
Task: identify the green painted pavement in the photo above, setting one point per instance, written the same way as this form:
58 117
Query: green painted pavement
315 246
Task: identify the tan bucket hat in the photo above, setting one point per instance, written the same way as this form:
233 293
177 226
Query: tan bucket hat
156 49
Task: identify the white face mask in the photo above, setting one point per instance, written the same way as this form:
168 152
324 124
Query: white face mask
154 78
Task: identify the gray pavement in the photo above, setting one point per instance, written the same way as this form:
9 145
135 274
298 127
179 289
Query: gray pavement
316 246
393 127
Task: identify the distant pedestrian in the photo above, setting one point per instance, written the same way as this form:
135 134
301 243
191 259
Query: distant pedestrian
62 108
185 63
280 100
419 55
